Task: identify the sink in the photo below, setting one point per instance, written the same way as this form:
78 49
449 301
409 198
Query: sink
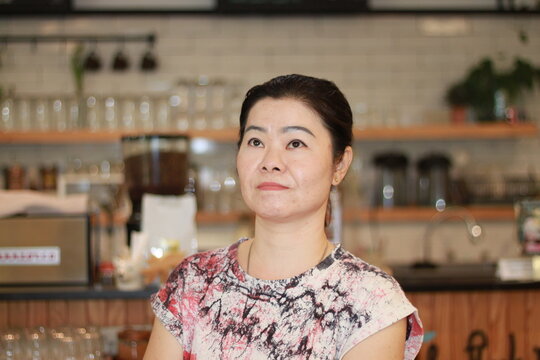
465 273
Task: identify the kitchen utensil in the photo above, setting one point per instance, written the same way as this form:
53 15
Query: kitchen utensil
149 61
92 61
120 60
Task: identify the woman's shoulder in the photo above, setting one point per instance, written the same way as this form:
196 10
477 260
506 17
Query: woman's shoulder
209 261
356 267
362 277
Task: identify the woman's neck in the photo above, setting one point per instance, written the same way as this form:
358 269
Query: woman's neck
282 250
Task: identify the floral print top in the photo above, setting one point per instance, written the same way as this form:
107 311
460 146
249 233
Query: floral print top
218 311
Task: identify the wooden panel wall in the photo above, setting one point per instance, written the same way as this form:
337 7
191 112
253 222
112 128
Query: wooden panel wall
453 315
55 313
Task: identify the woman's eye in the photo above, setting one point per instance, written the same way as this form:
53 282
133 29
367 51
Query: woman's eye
296 144
254 142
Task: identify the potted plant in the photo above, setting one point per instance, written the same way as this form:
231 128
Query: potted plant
493 95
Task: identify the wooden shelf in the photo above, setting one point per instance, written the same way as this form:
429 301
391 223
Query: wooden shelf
449 132
82 136
400 214
428 132
202 218
209 218
490 213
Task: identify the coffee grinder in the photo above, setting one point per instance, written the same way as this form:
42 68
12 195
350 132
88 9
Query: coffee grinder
154 164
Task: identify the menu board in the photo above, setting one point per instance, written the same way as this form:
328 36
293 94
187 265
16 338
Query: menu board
291 6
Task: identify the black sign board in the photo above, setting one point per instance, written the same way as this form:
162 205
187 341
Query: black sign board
291 6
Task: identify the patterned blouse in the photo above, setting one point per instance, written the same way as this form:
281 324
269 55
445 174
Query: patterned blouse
217 311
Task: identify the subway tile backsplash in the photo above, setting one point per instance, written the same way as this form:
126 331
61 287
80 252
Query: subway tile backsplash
387 65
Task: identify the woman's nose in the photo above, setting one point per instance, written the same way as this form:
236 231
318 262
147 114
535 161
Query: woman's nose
271 161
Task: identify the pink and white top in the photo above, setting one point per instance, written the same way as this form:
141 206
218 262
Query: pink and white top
217 311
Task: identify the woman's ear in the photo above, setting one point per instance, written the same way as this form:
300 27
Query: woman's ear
342 166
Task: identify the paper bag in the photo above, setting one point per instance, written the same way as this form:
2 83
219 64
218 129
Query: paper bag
169 223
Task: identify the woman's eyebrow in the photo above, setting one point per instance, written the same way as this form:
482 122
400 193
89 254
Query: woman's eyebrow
296 128
284 129
257 128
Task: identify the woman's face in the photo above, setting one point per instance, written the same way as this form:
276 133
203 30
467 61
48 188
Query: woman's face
285 162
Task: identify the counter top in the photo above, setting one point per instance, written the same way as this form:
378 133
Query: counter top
409 284
456 277
72 293
423 285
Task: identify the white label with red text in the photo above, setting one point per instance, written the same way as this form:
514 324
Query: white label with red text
34 255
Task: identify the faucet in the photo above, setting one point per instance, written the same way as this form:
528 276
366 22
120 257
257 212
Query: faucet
474 231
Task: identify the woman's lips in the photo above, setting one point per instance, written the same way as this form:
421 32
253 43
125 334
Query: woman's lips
271 186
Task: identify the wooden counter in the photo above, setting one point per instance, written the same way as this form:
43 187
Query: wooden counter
450 315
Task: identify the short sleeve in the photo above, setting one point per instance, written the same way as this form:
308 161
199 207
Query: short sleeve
385 304
167 302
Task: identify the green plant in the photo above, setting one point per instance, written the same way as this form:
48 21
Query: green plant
483 81
77 68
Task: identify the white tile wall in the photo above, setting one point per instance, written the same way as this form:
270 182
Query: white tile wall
385 63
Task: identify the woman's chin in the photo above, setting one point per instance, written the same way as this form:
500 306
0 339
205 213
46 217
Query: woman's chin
271 213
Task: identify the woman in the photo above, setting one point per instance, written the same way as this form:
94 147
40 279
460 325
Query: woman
286 293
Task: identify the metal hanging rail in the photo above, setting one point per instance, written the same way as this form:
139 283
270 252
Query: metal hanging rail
149 38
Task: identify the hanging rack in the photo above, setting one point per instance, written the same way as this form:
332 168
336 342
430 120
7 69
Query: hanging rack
149 38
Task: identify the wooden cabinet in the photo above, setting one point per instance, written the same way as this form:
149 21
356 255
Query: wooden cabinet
60 312
453 315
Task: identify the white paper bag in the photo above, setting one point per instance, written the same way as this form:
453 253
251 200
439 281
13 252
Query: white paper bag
169 221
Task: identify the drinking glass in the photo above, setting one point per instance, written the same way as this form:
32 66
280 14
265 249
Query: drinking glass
128 113
162 113
6 123
145 114
111 114
92 113
65 344
199 121
37 343
199 96
11 345
217 120
23 117
41 114
181 121
59 114
229 191
210 187
90 343
73 109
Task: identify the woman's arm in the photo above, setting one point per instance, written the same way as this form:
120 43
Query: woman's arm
386 344
162 345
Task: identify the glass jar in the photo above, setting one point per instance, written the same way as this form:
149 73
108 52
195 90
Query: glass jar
434 185
390 180
132 344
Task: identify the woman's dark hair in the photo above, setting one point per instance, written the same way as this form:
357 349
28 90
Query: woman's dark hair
320 95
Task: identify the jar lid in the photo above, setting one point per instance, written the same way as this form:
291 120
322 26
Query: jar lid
390 160
433 160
